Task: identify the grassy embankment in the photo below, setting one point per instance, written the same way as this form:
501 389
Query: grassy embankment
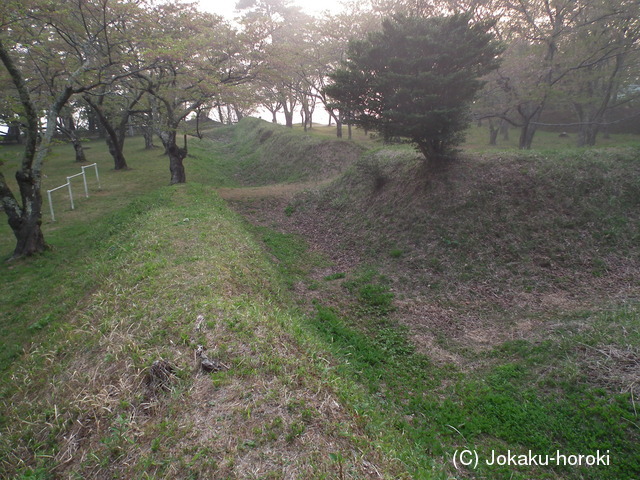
143 272
384 369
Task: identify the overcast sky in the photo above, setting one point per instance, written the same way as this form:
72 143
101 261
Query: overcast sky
312 7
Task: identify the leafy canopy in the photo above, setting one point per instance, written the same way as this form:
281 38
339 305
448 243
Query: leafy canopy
416 79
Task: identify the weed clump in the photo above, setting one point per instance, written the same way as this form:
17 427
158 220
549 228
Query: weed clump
372 291
159 377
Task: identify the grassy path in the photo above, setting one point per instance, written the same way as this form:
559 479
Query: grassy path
280 190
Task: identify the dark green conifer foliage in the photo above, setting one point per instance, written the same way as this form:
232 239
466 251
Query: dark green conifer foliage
416 79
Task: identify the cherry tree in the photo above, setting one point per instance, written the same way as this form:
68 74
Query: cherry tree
55 50
191 55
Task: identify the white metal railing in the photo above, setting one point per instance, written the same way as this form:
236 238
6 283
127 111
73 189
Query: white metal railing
97 176
84 177
53 217
68 185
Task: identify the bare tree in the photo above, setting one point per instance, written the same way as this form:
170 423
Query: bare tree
561 45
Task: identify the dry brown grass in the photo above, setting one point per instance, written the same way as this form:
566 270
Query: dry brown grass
280 191
614 367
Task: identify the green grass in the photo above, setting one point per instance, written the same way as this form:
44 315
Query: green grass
326 132
530 397
372 291
44 288
529 222
477 139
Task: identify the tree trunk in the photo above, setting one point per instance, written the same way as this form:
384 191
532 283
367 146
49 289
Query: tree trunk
115 142
311 108
92 121
176 166
68 127
305 112
288 117
176 156
116 135
198 134
80 157
13 133
229 115
149 126
114 139
591 115
115 149
433 154
288 106
29 237
28 231
587 135
493 132
504 129
147 133
26 220
530 114
526 136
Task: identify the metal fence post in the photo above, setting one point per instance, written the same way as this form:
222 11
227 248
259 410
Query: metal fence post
70 195
53 217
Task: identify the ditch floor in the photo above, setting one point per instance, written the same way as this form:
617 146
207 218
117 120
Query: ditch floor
450 328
